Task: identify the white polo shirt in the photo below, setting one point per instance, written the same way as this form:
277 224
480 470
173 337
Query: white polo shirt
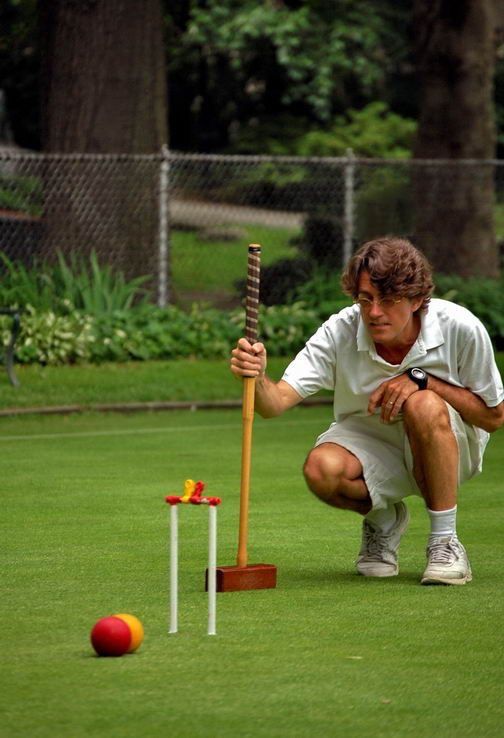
452 345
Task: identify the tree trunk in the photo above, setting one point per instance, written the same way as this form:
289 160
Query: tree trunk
104 92
455 50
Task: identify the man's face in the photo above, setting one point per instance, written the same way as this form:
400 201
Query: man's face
390 322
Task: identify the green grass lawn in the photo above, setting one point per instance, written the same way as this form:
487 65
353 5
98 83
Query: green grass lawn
209 269
84 533
150 381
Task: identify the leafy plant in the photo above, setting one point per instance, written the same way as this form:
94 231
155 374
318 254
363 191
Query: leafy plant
373 131
96 289
70 285
146 332
50 339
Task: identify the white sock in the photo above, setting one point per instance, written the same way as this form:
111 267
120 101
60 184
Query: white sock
443 522
384 519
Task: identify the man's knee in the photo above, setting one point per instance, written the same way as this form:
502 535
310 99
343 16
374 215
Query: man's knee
323 472
426 414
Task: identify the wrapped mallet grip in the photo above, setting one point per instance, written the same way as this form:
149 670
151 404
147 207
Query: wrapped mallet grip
252 296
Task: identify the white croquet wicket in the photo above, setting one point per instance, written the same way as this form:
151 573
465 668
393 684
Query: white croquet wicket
193 495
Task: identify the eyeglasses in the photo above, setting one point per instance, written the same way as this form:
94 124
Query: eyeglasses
384 302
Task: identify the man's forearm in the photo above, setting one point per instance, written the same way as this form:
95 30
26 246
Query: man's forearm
273 398
471 407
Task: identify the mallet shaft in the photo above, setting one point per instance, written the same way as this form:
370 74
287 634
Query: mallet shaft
251 320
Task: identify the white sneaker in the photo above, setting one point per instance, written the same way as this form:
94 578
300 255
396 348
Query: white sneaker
378 553
447 562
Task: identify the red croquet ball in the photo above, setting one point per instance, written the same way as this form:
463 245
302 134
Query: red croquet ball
111 636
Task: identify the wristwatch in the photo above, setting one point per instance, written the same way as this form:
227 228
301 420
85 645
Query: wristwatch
418 376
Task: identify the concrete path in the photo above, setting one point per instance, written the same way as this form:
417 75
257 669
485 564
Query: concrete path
196 213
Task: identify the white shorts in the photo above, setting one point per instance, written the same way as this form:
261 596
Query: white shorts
383 450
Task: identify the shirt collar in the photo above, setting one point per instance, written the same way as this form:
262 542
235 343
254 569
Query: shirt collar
431 332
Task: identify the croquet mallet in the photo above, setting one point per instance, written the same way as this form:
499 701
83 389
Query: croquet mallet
245 576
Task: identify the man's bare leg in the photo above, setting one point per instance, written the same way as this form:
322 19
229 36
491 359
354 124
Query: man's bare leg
434 448
435 468
335 476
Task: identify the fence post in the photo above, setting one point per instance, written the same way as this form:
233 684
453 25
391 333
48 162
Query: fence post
348 218
164 238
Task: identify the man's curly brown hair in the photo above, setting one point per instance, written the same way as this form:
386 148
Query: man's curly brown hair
395 267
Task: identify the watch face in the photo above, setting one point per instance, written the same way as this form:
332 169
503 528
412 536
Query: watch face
418 373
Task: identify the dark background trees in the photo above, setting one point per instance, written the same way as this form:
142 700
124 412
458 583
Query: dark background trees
247 75
278 76
455 45
103 76
102 91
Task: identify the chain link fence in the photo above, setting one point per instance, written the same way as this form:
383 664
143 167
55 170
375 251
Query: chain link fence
185 219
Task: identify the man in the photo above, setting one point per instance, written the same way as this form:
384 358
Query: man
416 394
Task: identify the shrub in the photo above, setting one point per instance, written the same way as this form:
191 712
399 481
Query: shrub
373 131
147 332
278 280
50 339
322 239
483 297
322 294
76 284
384 203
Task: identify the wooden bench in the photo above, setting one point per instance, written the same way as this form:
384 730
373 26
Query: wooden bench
8 354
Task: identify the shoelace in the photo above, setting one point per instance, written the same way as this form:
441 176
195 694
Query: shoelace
375 542
443 552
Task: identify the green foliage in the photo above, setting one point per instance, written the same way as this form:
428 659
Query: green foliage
148 332
311 51
96 289
165 333
21 194
236 64
51 339
76 284
322 293
21 286
374 131
483 297
286 328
